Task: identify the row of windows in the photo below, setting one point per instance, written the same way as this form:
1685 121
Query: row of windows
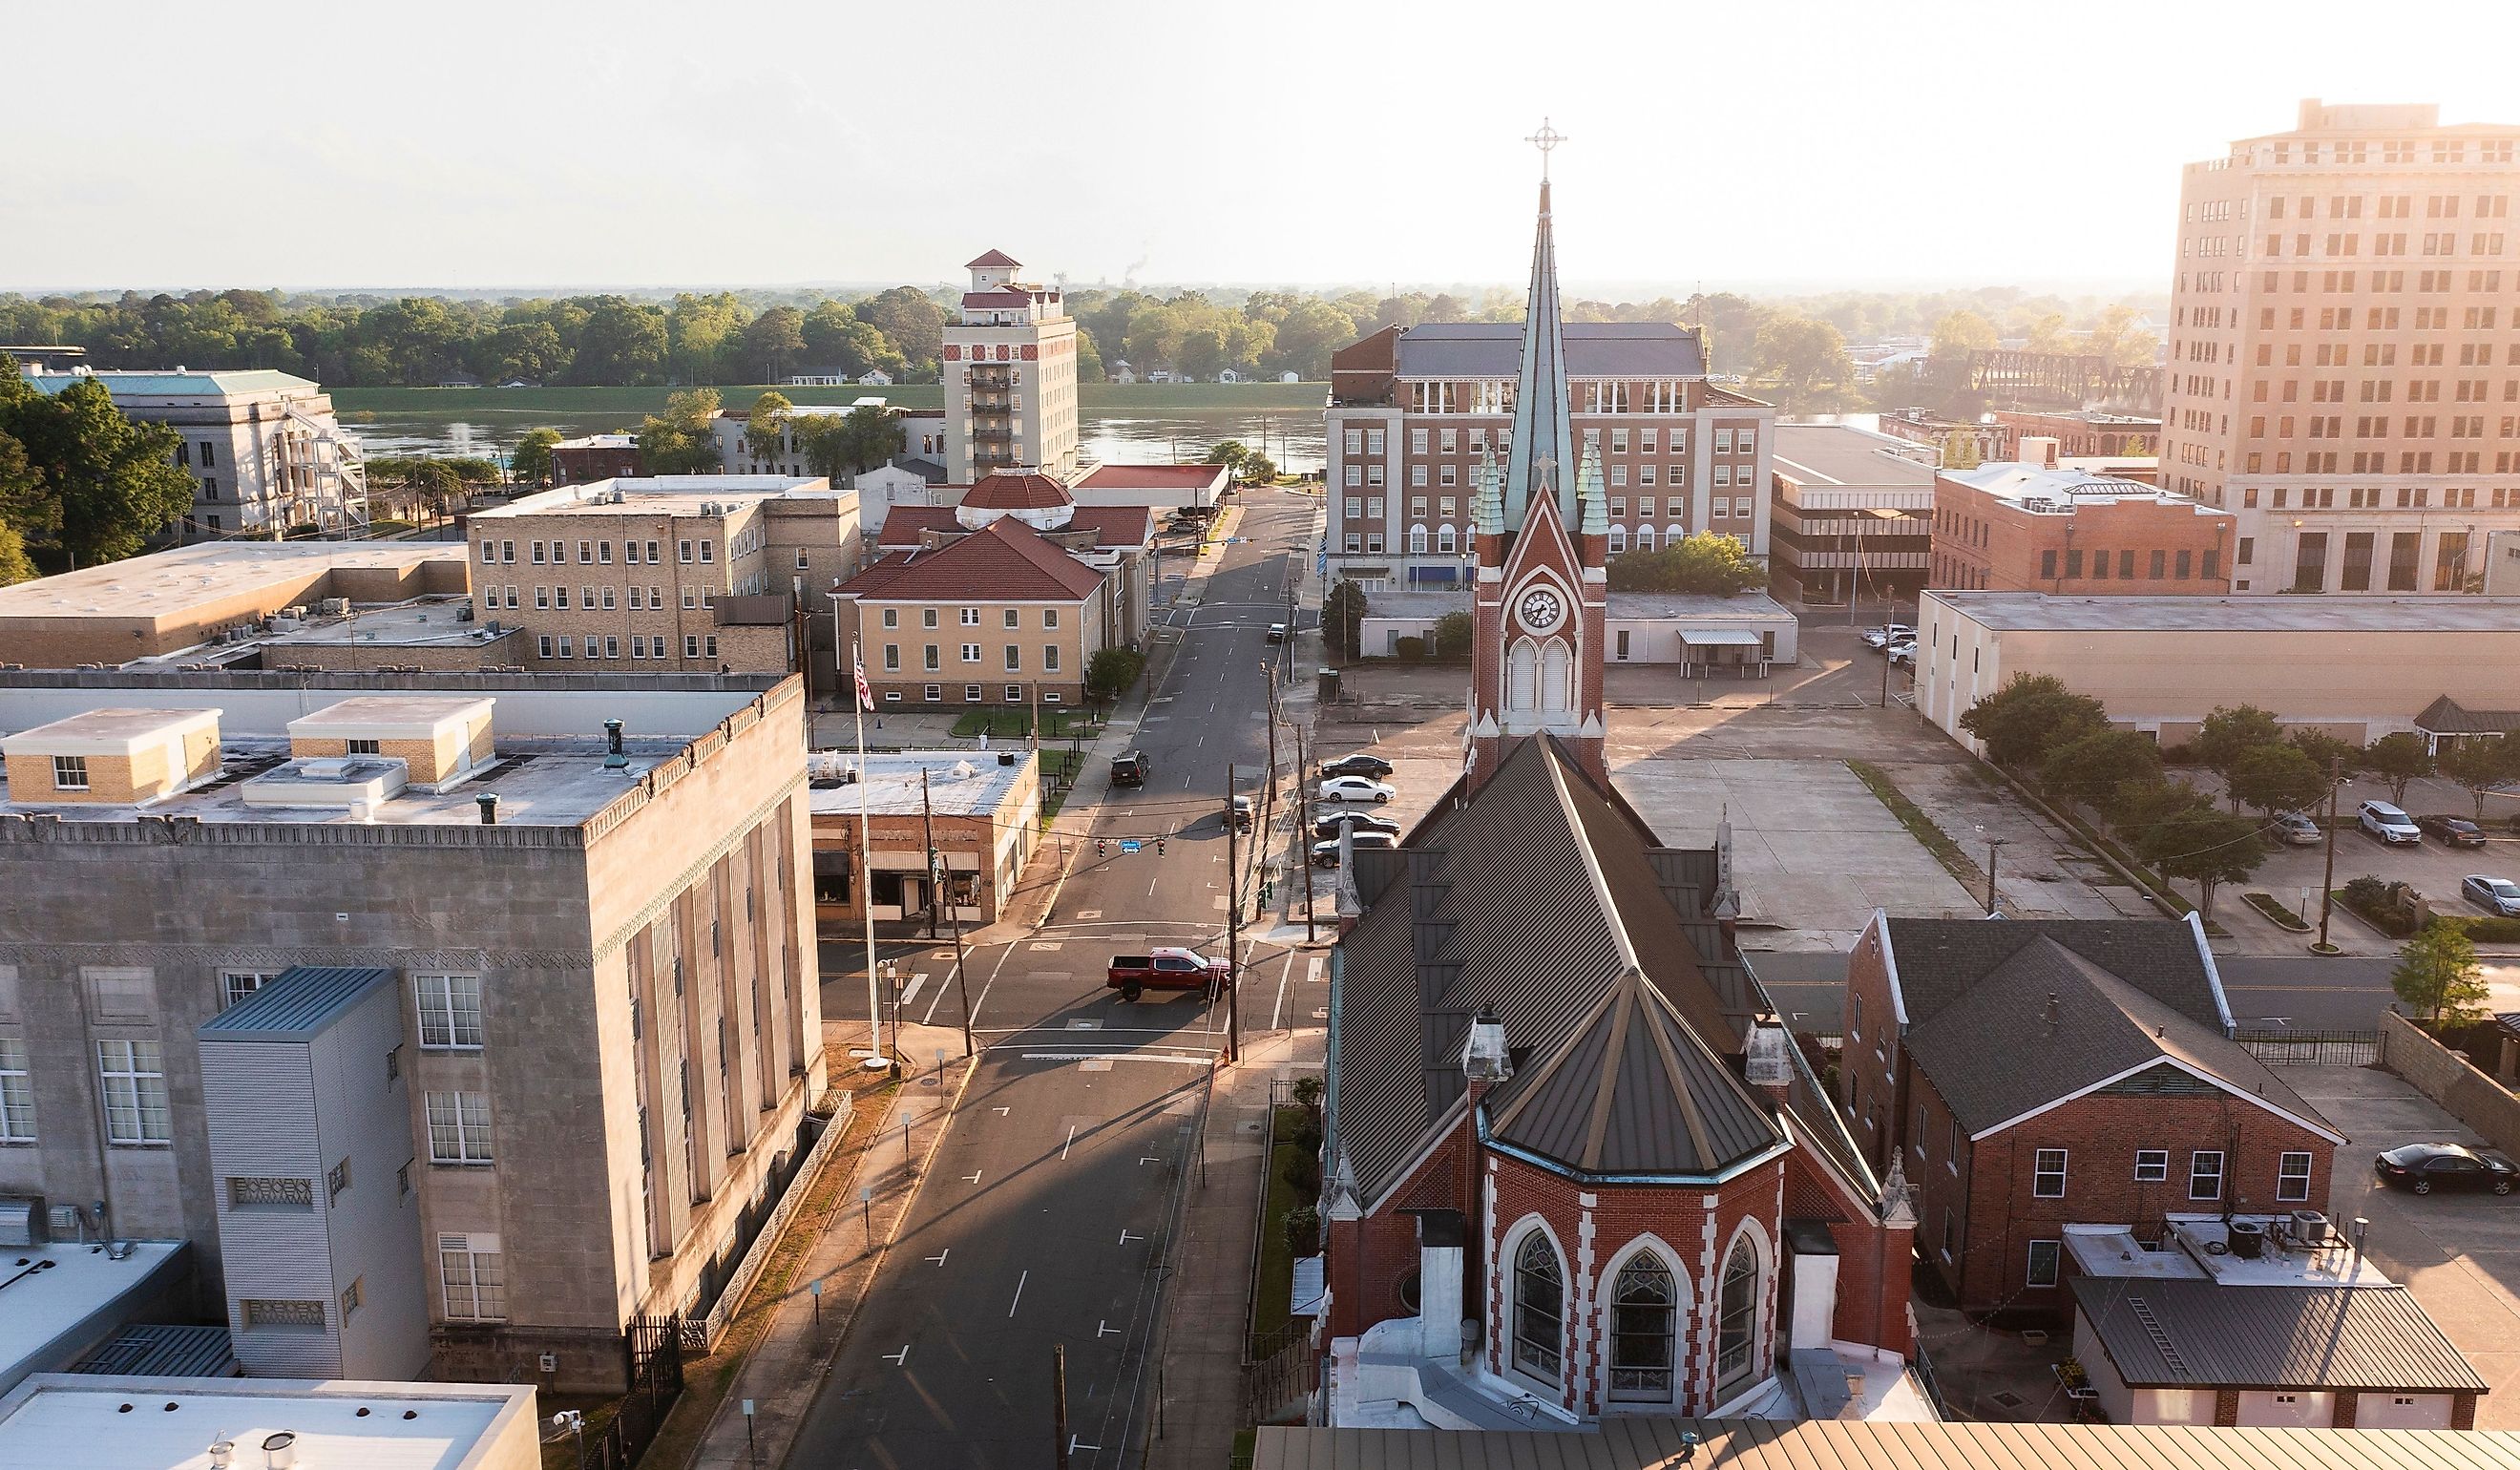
2369 496
636 599
1643 1321
2161 565
2436 243
971 653
972 693
2152 1166
600 553
565 646
1373 442
970 617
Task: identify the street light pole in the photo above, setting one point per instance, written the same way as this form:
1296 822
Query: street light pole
1233 924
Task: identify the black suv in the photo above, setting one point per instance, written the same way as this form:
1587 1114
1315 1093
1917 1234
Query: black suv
1130 770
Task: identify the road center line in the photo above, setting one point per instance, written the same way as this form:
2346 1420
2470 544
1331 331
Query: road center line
1019 1286
1071 1141
1280 1007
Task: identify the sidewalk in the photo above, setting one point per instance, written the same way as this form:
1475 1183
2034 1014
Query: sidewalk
786 1367
1198 1383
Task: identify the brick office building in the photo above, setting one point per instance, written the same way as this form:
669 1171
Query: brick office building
2088 435
988 618
2031 1074
2013 527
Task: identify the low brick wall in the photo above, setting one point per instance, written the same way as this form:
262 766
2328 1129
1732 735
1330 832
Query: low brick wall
2446 1077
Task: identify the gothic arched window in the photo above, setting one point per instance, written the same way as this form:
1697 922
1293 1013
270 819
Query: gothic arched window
1539 1308
1522 675
1556 677
1643 1306
1737 1322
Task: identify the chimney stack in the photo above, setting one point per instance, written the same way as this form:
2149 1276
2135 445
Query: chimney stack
613 759
1485 1061
1767 1062
488 802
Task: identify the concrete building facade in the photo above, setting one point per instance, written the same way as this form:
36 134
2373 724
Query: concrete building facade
1010 375
602 965
2014 527
983 809
2344 362
263 448
1852 513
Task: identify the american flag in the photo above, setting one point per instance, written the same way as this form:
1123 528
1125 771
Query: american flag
866 696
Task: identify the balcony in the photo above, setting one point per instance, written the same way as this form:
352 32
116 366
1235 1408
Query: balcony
992 431
992 403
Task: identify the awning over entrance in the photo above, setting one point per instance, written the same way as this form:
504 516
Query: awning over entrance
1719 638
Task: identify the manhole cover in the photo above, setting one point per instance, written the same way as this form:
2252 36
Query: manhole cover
2009 1399
1085 1025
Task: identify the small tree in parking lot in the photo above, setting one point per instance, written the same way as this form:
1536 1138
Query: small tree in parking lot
1113 672
2438 977
2271 779
2483 767
2397 759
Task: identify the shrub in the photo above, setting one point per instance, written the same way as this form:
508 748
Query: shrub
1304 1230
1413 650
1304 1171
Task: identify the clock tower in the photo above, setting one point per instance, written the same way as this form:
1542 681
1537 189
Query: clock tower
1540 535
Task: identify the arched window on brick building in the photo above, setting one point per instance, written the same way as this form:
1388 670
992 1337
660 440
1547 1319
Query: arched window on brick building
1736 1323
1539 1308
1643 1308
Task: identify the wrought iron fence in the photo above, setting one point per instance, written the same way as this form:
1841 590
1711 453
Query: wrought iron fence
2286 1047
655 1350
1933 1385
1281 1373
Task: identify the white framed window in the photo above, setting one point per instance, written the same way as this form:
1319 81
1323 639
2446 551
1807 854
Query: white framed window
708 551
2151 1165
473 1278
639 646
450 1011
935 694
70 773
1049 658
611 645
1538 1310
971 652
1014 662
2047 1174
133 1079
458 1127
2044 1258
2292 1178
708 643
2205 1173
1741 503
16 1093
971 693
684 548
691 646
970 618
1723 476
892 617
239 983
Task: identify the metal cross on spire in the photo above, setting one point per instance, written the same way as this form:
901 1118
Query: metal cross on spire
1545 140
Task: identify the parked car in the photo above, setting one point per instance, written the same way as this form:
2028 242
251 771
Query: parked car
1166 967
1881 638
1359 763
1238 812
2456 831
2426 1167
1354 789
2386 821
1277 633
1326 854
2493 895
2298 829
1327 828
1130 770
1903 655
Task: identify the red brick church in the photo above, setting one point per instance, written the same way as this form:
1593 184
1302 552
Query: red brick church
1574 1165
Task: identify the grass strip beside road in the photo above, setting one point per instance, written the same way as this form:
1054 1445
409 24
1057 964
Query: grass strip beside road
1277 1278
1920 825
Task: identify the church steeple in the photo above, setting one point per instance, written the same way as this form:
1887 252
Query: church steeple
1487 503
1543 435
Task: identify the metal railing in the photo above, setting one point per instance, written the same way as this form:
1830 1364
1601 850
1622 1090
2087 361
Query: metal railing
2284 1047
700 1333
656 1353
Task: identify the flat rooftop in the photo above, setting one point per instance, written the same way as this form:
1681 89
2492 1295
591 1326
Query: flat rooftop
126 384
165 585
540 782
665 495
68 1297
960 783
2197 1248
2037 488
420 623
1840 454
97 1423
2040 613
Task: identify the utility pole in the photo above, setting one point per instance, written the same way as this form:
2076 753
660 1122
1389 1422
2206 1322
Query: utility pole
928 815
2328 888
1269 802
962 989
1304 825
1036 726
1233 923
1992 844
1059 1402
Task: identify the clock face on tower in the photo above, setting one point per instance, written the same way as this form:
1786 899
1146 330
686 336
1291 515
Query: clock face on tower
1540 609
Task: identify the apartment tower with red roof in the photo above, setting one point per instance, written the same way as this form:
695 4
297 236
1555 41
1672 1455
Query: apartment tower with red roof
1009 376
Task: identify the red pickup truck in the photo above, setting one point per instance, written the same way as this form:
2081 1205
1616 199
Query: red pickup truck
1169 967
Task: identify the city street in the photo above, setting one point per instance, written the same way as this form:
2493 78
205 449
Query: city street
1054 1198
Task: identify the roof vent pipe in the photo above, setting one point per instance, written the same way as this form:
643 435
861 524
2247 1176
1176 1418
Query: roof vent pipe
222 1453
488 802
613 759
279 1449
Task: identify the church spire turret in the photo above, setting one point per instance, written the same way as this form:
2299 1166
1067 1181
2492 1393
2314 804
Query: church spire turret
1544 434
1595 496
1487 503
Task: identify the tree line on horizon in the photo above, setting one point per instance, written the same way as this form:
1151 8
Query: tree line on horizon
1791 349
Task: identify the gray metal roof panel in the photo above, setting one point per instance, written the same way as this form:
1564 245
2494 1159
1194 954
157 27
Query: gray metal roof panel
144 1350
1594 349
302 1000
2271 1337
1941 958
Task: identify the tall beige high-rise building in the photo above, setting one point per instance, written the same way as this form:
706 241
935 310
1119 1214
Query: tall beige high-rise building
2345 349
1009 374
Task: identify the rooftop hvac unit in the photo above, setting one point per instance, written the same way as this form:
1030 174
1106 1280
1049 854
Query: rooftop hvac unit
22 1222
337 607
2311 1227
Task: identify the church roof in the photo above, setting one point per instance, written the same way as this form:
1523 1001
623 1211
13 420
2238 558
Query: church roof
1543 431
1594 349
1017 490
1546 900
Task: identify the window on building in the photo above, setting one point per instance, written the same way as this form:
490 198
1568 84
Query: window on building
458 1127
2045 1256
450 1011
471 1275
2047 1174
16 1093
2151 1165
70 773
1737 1320
1644 1309
239 983
2292 1178
133 1079
1539 1308
2205 1175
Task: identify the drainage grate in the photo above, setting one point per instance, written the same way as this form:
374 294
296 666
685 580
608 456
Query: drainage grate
2010 1400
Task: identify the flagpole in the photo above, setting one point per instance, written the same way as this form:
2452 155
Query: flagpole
865 851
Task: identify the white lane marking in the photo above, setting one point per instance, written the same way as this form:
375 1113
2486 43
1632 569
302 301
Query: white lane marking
1071 1141
1019 1286
974 1177
1000 1111
939 1258
910 992
1280 1006
1208 1060
900 1359
1102 1328
1127 1236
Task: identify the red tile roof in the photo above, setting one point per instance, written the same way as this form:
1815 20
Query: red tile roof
997 298
1008 561
994 257
1117 476
1111 525
1017 490
903 524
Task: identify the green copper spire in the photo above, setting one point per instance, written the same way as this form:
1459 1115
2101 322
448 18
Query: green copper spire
1544 434
1589 489
1487 503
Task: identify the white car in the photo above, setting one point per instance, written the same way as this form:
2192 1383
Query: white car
1354 789
1902 655
1881 638
2388 822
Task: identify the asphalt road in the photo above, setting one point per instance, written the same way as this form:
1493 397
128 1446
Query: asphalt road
2307 993
1055 1191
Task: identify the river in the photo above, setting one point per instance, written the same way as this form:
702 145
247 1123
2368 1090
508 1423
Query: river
1293 437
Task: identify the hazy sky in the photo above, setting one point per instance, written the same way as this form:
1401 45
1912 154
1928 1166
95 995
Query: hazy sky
531 144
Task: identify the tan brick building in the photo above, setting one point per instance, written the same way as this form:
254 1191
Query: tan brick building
661 575
983 808
2345 348
981 620
2010 527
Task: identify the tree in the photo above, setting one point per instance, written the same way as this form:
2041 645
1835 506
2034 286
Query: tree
912 323
1089 357
531 459
1804 361
100 483
625 342
1257 469
1960 333
766 426
2228 733
823 439
2271 779
1454 632
869 437
2022 722
2147 802
2048 334
2207 847
2438 976
1112 671
683 439
2484 767
836 338
14 563
1227 452
1343 617
1709 563
2326 751
774 341
2119 339
2092 767
2397 759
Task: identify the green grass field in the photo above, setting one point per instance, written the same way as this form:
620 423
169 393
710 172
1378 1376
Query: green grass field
1135 397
